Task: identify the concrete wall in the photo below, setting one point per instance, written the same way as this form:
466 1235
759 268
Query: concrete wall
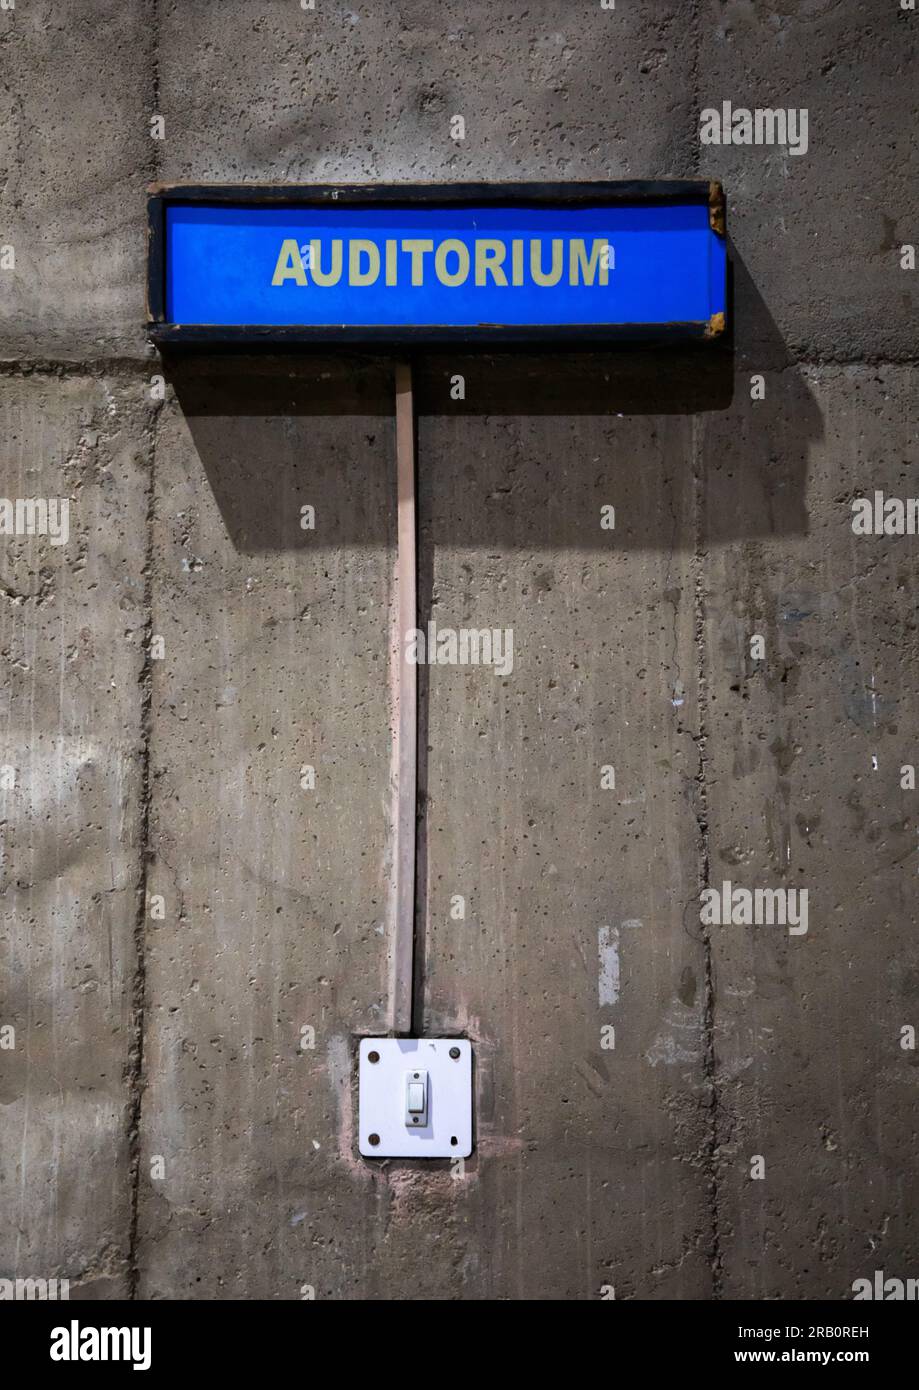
176 908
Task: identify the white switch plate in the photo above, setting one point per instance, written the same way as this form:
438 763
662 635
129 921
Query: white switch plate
382 1098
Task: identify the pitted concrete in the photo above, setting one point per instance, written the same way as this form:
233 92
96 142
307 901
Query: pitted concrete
76 95
73 625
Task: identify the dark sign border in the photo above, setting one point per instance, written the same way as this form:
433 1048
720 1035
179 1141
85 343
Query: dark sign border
701 191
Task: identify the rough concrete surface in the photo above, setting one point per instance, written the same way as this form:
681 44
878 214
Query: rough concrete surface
76 88
194 929
818 235
72 628
804 754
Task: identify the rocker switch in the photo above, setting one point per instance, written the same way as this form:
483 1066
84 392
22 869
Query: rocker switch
416 1098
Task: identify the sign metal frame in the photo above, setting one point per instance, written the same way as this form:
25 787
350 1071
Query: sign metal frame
643 192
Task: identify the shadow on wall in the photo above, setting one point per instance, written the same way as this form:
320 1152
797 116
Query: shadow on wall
526 458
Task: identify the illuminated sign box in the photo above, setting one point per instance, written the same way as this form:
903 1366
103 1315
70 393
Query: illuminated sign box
430 264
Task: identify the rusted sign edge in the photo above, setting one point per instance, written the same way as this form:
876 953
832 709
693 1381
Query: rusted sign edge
716 209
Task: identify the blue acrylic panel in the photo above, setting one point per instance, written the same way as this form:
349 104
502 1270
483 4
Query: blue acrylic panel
461 267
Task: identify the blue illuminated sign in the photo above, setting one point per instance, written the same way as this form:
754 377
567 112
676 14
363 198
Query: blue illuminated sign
338 264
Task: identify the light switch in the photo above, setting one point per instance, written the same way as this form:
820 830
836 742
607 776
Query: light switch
416 1098
389 1071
